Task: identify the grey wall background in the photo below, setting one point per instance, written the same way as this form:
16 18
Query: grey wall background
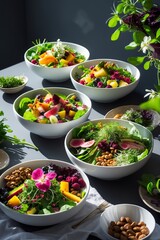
82 22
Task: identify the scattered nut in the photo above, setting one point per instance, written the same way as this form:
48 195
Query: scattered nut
126 229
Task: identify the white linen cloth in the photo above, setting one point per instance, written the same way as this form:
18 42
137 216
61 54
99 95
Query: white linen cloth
11 230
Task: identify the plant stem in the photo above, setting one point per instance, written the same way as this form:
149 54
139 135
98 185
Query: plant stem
158 74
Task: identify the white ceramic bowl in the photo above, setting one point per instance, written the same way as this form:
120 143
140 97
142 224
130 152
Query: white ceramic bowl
4 159
135 212
105 94
16 89
122 109
41 219
55 130
55 74
109 172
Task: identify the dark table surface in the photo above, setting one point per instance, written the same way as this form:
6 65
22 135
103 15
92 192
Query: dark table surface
124 190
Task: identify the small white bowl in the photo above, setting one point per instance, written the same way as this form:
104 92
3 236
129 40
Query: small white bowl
43 219
135 212
55 74
122 109
109 172
4 159
16 89
105 94
55 130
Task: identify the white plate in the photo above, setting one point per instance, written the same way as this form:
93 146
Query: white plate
148 199
4 159
123 109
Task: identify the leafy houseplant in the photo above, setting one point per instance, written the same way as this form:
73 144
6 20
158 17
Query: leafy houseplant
142 19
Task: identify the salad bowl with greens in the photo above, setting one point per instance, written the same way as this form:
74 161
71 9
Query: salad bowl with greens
109 148
46 192
51 112
105 80
54 60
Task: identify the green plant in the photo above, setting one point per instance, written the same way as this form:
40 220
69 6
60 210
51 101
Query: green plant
142 19
5 130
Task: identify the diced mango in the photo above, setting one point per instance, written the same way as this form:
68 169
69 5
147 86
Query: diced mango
14 201
71 113
62 114
100 73
122 83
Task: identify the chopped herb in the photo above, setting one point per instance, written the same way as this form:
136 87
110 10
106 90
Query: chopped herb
11 81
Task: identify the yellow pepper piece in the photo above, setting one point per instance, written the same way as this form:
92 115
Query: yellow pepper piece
14 201
88 79
62 113
64 186
100 73
71 196
122 83
32 211
112 83
64 62
71 113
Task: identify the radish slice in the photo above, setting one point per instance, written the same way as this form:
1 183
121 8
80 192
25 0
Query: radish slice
53 111
76 142
126 144
87 144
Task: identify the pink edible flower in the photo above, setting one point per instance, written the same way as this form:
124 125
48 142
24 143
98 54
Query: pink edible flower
43 181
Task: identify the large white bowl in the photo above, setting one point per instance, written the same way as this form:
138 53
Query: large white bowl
41 219
109 172
135 212
55 130
105 94
55 74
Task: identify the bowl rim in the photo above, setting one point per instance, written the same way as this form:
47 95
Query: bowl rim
50 88
25 79
104 59
107 167
48 160
65 43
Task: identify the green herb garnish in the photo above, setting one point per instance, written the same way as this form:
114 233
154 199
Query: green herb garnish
10 82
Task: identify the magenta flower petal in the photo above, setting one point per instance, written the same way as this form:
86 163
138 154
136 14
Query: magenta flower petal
37 174
43 186
50 175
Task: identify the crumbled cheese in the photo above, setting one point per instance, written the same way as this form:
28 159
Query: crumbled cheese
59 49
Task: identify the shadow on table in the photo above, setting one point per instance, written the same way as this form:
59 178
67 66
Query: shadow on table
10 98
